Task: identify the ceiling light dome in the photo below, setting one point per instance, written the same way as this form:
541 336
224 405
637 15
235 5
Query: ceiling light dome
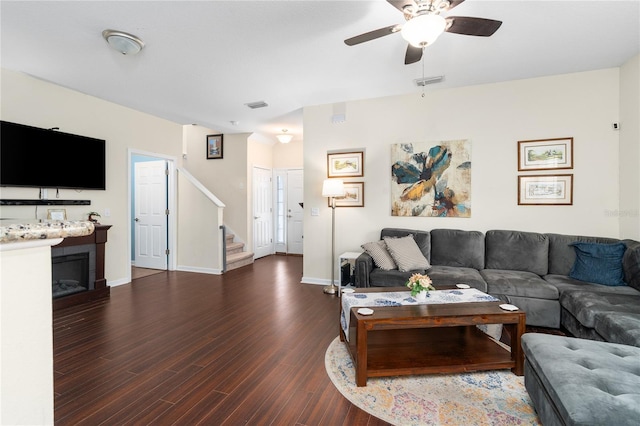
423 30
284 137
125 43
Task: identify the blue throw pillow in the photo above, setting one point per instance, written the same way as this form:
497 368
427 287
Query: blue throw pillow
599 263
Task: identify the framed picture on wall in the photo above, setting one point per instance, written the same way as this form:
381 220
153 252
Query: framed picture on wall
345 164
57 214
545 190
353 195
214 146
545 154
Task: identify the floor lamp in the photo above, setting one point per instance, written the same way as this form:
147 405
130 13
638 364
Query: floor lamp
332 188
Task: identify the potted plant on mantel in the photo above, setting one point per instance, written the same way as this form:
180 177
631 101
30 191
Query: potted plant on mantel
92 217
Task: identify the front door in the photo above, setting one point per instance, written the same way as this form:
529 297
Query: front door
295 214
150 214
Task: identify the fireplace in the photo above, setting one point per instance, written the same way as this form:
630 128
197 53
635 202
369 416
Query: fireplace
86 281
73 269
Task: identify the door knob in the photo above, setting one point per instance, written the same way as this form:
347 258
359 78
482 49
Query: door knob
136 219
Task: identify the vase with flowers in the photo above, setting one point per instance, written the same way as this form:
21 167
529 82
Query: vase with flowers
420 285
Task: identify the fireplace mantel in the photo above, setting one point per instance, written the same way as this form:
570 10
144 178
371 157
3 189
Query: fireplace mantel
101 289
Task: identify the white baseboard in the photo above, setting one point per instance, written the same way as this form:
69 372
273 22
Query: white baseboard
121 281
199 270
315 281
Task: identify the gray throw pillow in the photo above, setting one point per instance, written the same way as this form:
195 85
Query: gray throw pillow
381 257
406 253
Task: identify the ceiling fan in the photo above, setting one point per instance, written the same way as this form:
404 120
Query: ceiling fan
424 25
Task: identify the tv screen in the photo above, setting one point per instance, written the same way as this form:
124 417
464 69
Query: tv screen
41 158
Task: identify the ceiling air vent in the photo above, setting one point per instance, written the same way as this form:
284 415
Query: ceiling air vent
256 105
421 82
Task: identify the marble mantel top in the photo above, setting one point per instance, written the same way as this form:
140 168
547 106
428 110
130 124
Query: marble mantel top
17 232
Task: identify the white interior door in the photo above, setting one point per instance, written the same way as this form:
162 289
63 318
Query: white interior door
262 213
151 214
295 214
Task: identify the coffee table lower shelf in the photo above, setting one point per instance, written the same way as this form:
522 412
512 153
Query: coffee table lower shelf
429 350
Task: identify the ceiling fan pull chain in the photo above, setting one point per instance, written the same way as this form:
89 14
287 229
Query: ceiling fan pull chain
423 71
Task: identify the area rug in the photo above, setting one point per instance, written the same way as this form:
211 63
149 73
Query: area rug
483 398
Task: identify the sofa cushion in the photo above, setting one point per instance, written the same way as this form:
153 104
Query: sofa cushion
422 238
381 257
619 327
585 305
581 382
564 283
519 251
599 263
518 283
562 255
406 253
451 275
393 278
454 247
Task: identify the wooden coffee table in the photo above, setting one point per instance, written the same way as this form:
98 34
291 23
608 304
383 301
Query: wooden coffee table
431 338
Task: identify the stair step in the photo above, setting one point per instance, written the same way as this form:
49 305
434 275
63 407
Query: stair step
233 248
237 260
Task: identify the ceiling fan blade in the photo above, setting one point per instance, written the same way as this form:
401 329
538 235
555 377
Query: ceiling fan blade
472 26
372 35
413 55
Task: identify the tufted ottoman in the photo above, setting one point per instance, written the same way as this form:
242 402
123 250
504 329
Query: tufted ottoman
582 382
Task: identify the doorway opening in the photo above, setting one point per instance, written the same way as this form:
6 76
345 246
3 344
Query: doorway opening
152 207
288 189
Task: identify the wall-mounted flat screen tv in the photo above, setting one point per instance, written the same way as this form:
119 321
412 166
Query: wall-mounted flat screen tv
42 158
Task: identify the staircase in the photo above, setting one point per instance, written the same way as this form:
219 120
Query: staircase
236 257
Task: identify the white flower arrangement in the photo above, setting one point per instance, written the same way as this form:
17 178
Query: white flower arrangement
418 283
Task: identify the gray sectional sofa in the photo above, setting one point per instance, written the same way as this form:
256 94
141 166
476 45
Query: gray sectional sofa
591 378
530 270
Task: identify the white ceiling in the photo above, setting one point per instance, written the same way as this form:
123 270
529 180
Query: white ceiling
204 60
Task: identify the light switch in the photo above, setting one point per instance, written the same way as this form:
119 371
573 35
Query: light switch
315 211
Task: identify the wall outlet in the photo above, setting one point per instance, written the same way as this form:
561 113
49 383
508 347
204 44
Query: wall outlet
107 212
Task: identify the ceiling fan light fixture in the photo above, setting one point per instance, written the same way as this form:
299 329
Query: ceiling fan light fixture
284 137
125 43
423 30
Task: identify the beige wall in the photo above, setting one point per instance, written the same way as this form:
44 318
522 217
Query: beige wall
225 177
27 100
288 156
629 211
493 117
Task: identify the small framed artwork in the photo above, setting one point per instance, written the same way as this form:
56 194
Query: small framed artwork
57 214
214 146
353 195
545 190
545 154
345 164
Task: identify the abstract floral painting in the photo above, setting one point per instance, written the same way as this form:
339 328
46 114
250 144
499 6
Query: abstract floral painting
431 179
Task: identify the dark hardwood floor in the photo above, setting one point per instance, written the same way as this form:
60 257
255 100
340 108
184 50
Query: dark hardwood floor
183 348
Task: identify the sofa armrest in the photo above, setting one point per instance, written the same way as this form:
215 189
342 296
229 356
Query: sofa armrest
364 266
631 263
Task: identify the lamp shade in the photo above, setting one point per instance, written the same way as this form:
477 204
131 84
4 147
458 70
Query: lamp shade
333 188
423 30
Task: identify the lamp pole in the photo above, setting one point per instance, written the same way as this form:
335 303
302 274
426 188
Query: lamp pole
331 289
